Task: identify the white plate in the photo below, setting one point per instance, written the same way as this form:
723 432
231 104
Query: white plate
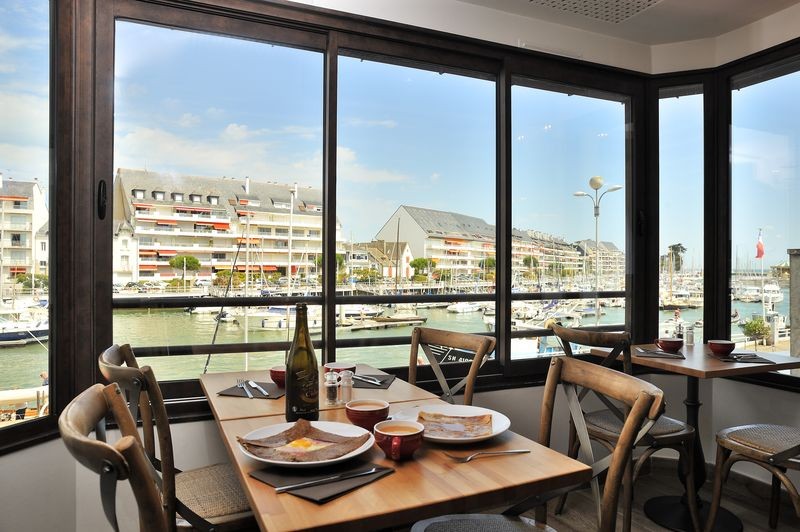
342 429
500 423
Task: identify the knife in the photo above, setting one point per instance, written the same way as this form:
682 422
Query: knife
326 480
370 380
258 387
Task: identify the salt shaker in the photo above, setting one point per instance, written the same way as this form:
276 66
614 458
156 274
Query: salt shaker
688 335
346 386
331 388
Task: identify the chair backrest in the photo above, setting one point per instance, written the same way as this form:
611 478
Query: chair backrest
618 342
644 402
478 346
118 364
125 459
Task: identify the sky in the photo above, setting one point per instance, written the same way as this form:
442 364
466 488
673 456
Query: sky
189 103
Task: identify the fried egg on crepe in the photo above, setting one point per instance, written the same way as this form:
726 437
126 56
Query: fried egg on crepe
303 443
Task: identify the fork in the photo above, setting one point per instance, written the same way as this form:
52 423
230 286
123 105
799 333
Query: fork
465 459
241 384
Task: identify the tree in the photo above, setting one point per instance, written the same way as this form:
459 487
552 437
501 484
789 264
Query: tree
223 277
756 329
192 263
339 261
675 254
489 263
28 280
421 265
530 262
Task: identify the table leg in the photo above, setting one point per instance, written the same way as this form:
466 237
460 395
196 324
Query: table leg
671 511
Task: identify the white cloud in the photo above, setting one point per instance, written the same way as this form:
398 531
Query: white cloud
237 132
215 112
188 120
25 119
435 176
7 68
349 169
24 162
360 122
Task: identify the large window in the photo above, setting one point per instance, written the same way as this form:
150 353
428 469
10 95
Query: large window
765 181
218 190
680 161
568 145
24 198
415 195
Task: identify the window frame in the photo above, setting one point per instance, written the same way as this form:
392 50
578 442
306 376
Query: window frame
81 104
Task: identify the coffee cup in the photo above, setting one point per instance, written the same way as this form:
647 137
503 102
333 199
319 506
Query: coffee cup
339 366
671 345
278 375
399 439
366 412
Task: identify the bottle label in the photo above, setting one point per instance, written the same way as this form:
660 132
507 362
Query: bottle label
308 387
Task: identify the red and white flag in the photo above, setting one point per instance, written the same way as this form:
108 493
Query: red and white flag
759 246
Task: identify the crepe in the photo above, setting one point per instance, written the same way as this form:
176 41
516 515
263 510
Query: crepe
303 443
444 426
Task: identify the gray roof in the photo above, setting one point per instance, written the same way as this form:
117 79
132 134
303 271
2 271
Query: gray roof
43 230
444 224
382 251
228 189
11 187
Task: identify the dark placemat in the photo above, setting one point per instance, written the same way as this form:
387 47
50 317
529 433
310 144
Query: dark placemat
386 381
274 391
746 357
278 477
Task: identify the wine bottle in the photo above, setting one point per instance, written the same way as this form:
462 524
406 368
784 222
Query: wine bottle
302 373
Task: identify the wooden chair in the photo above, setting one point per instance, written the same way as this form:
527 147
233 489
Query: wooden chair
776 448
605 426
124 460
209 498
645 404
432 340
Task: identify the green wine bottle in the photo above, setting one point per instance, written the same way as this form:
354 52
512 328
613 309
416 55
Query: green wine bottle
302 373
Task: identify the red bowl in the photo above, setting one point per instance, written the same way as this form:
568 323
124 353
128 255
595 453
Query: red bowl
671 345
366 412
721 347
339 366
278 375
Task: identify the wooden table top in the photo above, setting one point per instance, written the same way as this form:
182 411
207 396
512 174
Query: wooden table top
431 484
227 407
700 363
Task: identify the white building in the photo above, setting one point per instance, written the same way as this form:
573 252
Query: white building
23 214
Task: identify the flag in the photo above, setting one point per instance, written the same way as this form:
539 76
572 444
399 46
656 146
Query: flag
759 246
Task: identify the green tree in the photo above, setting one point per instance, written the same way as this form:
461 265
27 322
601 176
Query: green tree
675 254
223 277
530 262
756 329
28 280
192 263
339 261
421 265
489 263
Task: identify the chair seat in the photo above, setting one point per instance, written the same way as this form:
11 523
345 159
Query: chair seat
606 421
478 523
759 441
213 492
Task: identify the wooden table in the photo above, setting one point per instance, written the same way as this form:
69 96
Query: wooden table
429 485
226 407
670 511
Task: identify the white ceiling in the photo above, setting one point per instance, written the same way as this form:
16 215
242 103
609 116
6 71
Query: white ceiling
645 21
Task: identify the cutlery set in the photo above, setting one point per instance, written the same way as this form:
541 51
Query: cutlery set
243 384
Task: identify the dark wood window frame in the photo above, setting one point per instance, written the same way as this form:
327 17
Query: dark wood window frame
81 167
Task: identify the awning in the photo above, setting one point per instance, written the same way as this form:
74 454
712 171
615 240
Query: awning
166 222
252 267
147 268
269 268
147 252
18 269
14 198
243 202
247 241
221 267
245 213
144 205
222 226
205 223
145 220
193 209
167 252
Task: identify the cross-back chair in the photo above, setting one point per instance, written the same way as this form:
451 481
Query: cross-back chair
775 448
124 460
644 402
605 425
208 498
433 340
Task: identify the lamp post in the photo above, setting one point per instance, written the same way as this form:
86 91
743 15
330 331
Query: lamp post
596 182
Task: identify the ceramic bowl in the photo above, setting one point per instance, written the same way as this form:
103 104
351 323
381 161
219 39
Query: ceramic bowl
721 347
671 345
278 375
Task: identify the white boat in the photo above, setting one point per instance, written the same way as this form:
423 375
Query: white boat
14 332
360 311
464 306
772 293
282 317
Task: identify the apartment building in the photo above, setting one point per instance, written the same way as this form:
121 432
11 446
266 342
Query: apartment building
226 223
612 259
389 259
23 218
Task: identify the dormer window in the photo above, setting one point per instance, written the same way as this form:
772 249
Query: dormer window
281 204
313 208
213 200
138 193
158 195
177 196
195 198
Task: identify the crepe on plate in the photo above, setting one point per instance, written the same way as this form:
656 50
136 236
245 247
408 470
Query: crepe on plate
444 426
303 443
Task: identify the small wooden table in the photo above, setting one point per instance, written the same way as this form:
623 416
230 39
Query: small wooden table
429 485
670 511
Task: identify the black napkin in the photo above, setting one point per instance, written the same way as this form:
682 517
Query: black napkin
278 477
272 389
386 381
746 357
657 353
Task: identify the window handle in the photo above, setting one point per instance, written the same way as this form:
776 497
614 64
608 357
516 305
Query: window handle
102 200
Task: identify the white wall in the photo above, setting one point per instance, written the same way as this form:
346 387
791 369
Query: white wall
492 25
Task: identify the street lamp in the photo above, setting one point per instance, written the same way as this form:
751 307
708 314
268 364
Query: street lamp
596 182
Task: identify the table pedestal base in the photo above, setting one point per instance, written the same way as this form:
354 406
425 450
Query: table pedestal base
672 513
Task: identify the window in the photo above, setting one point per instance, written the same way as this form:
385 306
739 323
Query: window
158 195
24 177
681 167
177 196
765 185
213 200
568 144
219 256
138 193
195 198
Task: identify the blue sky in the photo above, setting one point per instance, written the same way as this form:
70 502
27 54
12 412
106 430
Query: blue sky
188 103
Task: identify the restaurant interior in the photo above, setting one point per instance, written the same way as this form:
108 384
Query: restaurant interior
642 56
